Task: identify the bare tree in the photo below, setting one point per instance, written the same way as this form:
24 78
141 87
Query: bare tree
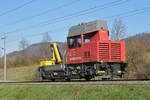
23 59
23 44
64 52
46 37
45 48
118 30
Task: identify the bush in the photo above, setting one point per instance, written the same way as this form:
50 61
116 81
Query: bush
137 65
20 61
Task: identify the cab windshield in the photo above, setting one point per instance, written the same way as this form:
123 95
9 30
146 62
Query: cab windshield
74 42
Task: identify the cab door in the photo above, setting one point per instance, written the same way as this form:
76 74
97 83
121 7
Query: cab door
74 52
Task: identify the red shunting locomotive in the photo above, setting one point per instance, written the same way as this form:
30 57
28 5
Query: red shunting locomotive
90 50
90 53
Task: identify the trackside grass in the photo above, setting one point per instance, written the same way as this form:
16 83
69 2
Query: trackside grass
123 92
20 73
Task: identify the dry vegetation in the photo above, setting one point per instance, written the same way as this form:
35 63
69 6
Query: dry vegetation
138 64
21 60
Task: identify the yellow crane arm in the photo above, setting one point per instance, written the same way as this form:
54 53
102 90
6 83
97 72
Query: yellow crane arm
56 57
57 53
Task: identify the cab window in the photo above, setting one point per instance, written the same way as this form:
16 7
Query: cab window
79 41
88 37
74 42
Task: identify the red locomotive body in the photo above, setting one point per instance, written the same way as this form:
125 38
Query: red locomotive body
95 47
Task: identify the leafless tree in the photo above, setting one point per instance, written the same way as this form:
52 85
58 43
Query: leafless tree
64 52
23 59
45 48
46 37
23 44
118 30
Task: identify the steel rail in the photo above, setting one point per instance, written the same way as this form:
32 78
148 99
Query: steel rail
81 83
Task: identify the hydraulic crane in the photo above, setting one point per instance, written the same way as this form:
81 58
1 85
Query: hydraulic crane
53 68
55 59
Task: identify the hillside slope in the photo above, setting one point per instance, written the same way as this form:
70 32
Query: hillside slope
34 49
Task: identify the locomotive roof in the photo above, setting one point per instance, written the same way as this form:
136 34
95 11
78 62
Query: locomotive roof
88 27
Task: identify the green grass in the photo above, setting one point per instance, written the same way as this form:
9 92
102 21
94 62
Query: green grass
123 92
21 73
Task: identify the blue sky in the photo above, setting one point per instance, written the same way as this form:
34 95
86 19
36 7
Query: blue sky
58 30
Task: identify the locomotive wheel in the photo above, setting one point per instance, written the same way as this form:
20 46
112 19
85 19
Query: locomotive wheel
121 76
104 79
88 78
43 78
67 79
53 80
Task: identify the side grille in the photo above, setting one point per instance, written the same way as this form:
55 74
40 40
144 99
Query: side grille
104 51
115 52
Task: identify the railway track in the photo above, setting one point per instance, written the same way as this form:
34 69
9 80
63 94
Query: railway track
81 83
